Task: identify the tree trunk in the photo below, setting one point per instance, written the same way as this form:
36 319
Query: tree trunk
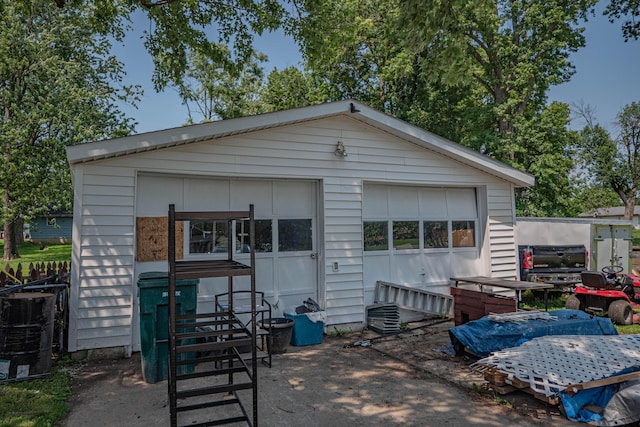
19 232
629 207
10 248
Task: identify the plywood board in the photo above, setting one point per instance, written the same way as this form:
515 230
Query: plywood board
152 234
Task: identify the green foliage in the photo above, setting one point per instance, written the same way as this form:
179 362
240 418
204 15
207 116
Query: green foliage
58 86
510 52
629 11
292 88
221 32
337 333
535 300
542 148
221 89
590 197
35 403
473 72
614 163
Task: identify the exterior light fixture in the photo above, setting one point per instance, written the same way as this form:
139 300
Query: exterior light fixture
340 150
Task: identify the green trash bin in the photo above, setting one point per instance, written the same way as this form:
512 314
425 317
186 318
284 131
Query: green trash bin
153 294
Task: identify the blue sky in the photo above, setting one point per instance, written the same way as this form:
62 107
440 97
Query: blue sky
607 75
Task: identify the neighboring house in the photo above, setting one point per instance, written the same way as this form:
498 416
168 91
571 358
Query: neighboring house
55 227
616 212
344 196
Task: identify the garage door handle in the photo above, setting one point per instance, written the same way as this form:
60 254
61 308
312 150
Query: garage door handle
313 255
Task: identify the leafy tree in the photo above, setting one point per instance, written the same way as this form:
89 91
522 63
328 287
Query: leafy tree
356 48
615 163
629 10
514 49
41 44
543 146
58 86
292 88
589 196
474 72
220 31
222 90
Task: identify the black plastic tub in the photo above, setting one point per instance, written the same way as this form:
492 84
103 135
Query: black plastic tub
280 329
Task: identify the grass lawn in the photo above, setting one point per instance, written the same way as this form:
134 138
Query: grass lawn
31 252
36 403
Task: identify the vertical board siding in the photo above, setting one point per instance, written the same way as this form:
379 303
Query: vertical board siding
344 292
104 224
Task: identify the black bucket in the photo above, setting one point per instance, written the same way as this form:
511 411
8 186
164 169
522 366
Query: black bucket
26 335
280 330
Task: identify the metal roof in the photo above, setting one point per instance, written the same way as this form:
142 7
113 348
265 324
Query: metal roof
214 130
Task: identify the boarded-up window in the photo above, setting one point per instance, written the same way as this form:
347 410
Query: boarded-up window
152 234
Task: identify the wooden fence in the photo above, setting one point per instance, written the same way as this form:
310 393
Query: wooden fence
34 272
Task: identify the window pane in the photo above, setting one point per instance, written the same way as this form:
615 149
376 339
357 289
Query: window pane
406 235
264 235
376 235
207 237
436 234
243 237
294 235
463 234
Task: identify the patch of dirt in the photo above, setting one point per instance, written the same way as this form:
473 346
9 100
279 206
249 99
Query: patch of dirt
86 374
391 381
427 350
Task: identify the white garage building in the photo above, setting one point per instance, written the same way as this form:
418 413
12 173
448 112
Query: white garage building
344 196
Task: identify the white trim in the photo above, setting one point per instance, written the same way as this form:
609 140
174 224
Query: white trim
214 130
76 264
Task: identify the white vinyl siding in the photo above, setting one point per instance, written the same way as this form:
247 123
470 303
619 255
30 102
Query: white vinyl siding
105 210
344 293
102 293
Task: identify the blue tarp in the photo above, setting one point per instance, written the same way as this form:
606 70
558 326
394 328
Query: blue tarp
574 406
483 336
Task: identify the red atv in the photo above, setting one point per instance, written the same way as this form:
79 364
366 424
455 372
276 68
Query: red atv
607 292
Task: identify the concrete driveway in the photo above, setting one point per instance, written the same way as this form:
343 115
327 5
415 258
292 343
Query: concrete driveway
398 381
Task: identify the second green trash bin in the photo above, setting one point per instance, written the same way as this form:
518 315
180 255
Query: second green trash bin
153 294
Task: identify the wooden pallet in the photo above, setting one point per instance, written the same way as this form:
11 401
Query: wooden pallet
548 365
502 384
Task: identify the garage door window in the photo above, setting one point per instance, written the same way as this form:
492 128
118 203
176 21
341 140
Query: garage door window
294 235
406 235
376 235
207 237
463 234
436 234
263 236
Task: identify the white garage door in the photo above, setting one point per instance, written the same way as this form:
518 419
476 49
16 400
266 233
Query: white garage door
286 231
415 235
